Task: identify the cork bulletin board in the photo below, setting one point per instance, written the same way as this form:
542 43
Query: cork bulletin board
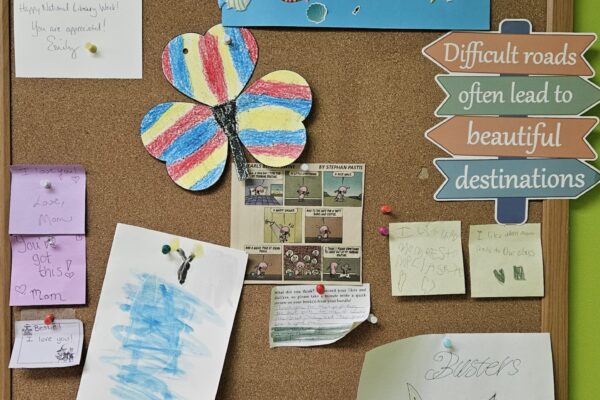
375 96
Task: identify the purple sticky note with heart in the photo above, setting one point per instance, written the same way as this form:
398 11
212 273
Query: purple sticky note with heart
47 270
47 200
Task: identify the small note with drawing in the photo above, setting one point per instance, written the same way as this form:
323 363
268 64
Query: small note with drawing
47 346
488 366
506 261
47 200
47 270
302 317
78 39
426 258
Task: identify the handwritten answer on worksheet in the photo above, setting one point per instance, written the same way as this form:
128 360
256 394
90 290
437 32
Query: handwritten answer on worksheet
38 345
47 200
489 366
48 270
300 316
506 261
426 258
78 39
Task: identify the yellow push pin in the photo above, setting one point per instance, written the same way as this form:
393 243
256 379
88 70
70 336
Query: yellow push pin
198 251
91 47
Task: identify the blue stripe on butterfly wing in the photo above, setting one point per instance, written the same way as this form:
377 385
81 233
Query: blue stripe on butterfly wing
190 141
248 101
154 115
252 137
179 70
240 55
210 178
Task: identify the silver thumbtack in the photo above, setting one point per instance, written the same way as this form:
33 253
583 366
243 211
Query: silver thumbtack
227 39
51 241
304 167
372 319
45 183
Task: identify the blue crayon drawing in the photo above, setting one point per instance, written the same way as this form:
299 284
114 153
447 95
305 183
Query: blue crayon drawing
158 334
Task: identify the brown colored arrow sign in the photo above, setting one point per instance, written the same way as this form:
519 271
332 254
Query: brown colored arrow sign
495 53
515 137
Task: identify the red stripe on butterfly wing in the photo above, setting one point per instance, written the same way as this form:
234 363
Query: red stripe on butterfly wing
277 150
212 62
280 89
166 64
250 44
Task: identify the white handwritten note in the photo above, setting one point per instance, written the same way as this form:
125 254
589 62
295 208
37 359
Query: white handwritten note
47 346
51 37
506 261
515 366
302 317
426 258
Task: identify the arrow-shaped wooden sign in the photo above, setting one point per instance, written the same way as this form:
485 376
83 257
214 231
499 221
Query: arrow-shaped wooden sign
496 53
515 137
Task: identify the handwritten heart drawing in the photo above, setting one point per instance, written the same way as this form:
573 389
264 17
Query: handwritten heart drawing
21 289
500 275
75 178
69 274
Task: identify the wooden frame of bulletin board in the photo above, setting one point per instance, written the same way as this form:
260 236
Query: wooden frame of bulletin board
552 309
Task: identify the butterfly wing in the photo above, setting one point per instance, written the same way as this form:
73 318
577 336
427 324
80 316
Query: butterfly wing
213 68
270 115
189 140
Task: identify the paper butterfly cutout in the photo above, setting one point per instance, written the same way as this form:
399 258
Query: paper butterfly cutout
266 119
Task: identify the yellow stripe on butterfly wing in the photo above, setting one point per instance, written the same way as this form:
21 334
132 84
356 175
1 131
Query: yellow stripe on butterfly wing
270 118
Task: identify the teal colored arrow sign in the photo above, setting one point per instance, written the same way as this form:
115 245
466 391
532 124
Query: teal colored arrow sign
533 179
516 95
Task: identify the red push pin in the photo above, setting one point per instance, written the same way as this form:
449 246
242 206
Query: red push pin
385 209
383 231
320 288
49 319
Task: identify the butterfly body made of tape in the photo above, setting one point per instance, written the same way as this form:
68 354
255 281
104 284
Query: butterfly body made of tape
213 69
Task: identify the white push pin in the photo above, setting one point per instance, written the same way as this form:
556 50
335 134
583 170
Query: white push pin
51 241
45 183
447 343
227 39
304 167
372 319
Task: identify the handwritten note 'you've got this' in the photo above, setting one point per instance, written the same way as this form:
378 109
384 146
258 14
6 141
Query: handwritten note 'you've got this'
426 258
50 38
58 209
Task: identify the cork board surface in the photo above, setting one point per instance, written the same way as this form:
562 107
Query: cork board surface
374 98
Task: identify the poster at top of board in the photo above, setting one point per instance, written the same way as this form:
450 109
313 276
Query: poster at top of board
488 366
79 39
300 225
155 337
362 14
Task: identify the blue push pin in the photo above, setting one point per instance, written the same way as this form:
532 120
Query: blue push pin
447 343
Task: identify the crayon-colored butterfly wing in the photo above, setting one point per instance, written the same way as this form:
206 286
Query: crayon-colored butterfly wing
189 140
270 115
212 68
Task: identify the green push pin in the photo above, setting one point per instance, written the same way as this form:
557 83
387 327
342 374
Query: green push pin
166 249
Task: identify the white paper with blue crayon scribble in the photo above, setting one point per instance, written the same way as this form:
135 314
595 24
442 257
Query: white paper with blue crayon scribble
155 338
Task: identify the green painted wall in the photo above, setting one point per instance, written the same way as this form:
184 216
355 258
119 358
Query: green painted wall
584 281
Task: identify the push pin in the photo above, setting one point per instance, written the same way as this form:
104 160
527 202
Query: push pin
49 319
173 245
372 319
304 167
45 183
51 241
91 47
447 343
227 39
385 209
383 231
320 288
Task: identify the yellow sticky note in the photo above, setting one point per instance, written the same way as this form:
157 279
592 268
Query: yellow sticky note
426 258
506 261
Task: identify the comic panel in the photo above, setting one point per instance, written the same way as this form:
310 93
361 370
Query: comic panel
303 188
264 188
342 189
264 263
302 263
282 225
323 225
342 264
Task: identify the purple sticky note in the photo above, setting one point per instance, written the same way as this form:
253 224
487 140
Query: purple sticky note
47 270
47 200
